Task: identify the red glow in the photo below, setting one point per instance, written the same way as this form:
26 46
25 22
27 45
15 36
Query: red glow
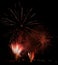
29 44
31 56
44 40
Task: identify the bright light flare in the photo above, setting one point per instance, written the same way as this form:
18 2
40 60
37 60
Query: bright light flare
16 49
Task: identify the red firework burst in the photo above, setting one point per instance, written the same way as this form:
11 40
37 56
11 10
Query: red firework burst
27 34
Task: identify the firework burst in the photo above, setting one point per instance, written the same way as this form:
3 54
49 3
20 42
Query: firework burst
27 34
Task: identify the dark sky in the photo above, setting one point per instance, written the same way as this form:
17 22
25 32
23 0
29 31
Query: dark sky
47 15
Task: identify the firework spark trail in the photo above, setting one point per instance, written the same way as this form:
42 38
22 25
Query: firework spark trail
27 15
16 13
7 19
7 23
33 15
32 30
30 22
13 14
21 13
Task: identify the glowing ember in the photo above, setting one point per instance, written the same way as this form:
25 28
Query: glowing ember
44 40
31 56
17 49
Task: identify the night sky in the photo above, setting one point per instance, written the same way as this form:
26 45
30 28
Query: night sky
46 15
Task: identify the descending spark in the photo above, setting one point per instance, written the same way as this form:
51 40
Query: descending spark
31 56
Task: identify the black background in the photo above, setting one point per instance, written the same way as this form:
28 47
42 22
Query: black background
46 11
